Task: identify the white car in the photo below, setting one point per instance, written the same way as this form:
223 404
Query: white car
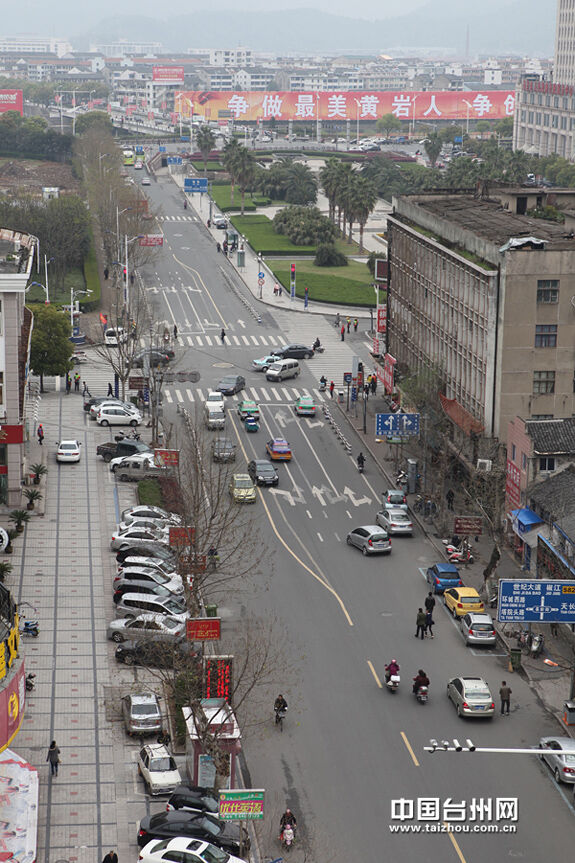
115 336
164 567
117 415
68 450
145 524
216 400
146 181
143 574
112 403
149 627
134 535
185 850
145 511
158 769
138 456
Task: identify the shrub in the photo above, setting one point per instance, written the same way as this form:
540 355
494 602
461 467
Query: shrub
328 256
305 226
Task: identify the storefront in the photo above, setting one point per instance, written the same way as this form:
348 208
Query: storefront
524 529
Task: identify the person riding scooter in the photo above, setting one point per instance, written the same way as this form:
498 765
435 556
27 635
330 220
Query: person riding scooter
316 344
280 707
360 462
421 680
391 669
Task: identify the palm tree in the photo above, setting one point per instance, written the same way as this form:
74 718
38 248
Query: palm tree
301 186
230 157
432 146
344 172
328 177
245 173
206 141
365 197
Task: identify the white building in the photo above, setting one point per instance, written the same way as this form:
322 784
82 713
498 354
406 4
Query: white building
35 45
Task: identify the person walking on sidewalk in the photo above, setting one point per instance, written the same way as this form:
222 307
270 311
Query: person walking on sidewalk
450 497
343 332
40 434
111 857
110 390
53 758
505 696
429 621
420 623
373 384
77 382
223 336
331 389
348 324
355 324
429 602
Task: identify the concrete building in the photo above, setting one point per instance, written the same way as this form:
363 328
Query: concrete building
482 294
536 451
16 258
35 45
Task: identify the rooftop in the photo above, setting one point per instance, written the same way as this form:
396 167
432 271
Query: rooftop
556 495
552 437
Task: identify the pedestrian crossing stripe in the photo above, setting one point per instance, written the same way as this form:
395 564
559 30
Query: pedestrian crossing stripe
273 395
204 340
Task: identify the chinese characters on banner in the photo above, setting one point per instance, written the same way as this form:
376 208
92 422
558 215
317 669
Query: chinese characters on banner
254 106
513 485
167 457
388 370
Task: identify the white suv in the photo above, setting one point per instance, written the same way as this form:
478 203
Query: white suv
117 415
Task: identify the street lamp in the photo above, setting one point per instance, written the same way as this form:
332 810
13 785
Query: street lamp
100 157
44 288
358 104
469 106
125 264
414 100
73 295
46 262
118 214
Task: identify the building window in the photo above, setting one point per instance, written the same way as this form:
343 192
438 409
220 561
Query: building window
541 416
548 290
546 336
513 452
543 383
523 461
547 463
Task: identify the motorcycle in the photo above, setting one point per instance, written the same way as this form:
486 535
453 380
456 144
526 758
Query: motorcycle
134 435
288 837
463 556
30 682
392 682
537 643
318 349
360 466
422 694
280 716
30 628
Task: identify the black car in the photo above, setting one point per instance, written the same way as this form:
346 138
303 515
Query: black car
155 358
223 449
231 384
157 654
128 586
294 352
263 472
193 797
154 550
196 825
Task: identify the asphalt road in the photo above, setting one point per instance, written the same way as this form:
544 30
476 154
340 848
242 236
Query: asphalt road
349 748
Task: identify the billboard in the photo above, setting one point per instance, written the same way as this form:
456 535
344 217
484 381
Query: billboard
353 105
11 100
168 74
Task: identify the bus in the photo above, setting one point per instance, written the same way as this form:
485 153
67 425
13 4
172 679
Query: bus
129 156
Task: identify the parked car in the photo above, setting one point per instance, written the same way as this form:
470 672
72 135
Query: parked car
193 797
146 181
134 513
231 384
295 352
263 472
165 567
147 523
223 449
143 457
134 604
68 450
370 538
220 222
133 535
95 409
172 582
130 586
158 769
460 600
278 449
559 755
242 489
394 498
144 627
395 521
141 713
185 850
117 415
115 336
471 696
98 400
478 629
156 654
443 575
146 548
199 825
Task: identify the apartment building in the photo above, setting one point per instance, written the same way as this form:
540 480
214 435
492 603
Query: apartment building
482 293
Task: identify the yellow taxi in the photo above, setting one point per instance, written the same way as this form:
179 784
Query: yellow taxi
462 600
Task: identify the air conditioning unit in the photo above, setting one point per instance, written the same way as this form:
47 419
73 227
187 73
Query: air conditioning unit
484 464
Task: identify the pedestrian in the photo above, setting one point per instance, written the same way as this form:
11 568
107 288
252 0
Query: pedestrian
225 247
280 289
429 623
373 384
223 336
106 273
429 602
343 332
68 384
54 758
111 857
40 434
331 389
132 279
348 324
505 696
554 629
355 324
85 390
110 390
175 332
450 497
77 382
420 623
276 289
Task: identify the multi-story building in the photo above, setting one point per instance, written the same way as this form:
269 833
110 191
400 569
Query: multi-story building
35 45
123 48
236 57
16 257
482 293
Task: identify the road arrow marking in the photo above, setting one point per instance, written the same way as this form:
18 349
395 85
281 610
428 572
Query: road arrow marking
242 324
318 424
348 492
286 494
280 418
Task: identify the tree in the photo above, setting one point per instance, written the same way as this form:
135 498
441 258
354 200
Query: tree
231 158
245 169
50 348
206 141
301 185
329 178
365 199
93 119
432 146
305 226
387 124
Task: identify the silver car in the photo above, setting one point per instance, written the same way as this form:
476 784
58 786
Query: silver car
471 696
136 535
478 629
150 512
370 538
133 604
559 754
154 563
395 521
145 627
142 714
172 582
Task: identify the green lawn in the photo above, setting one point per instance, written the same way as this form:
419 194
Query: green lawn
212 165
351 284
222 195
262 238
59 295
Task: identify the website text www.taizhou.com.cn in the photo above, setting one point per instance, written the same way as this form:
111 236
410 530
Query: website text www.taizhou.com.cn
453 828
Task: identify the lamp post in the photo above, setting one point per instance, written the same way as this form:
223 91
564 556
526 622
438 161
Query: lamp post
126 265
100 157
44 288
73 295
469 106
357 106
118 214
46 262
414 100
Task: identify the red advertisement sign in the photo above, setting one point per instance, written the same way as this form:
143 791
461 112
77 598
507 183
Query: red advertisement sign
513 485
331 106
167 457
12 704
388 373
11 100
381 318
204 629
152 240
180 536
168 74
218 677
466 525
11 434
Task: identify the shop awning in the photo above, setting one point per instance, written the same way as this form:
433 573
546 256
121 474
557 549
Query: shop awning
522 520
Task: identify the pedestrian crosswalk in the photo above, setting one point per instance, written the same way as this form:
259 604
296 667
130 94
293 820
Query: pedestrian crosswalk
264 395
210 339
186 218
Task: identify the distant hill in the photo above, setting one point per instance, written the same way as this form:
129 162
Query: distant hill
525 27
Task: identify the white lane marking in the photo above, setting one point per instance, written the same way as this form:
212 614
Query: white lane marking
320 537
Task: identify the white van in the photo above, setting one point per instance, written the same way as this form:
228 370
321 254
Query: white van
283 369
214 416
115 336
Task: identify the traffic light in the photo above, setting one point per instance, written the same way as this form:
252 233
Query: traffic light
125 273
293 272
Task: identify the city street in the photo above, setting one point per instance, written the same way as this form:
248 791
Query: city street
348 748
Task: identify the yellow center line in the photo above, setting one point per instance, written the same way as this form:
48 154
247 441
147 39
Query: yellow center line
374 672
409 749
290 551
458 850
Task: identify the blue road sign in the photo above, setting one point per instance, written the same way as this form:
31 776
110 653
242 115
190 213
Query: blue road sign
261 274
161 149
174 160
536 600
347 377
196 184
404 425
354 394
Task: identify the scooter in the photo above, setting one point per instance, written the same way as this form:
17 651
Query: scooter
462 556
422 694
322 386
318 350
537 643
288 837
360 466
280 716
392 682
30 628
134 435
30 682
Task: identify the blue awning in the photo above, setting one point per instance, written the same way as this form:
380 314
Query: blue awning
524 519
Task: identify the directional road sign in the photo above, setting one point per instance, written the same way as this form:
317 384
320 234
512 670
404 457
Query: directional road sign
536 600
261 274
174 160
347 377
405 425
196 184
